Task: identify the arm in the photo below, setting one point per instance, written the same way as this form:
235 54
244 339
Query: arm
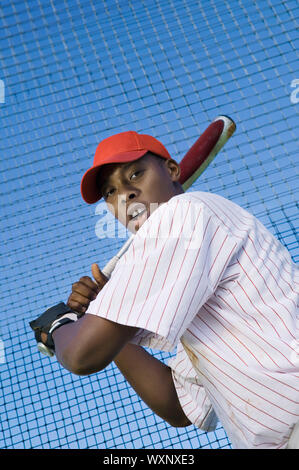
90 344
152 381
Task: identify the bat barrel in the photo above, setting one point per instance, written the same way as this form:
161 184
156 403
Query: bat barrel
202 152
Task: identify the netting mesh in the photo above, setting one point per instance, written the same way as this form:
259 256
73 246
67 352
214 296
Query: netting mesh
74 72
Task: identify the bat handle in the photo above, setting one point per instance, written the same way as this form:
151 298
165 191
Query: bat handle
108 269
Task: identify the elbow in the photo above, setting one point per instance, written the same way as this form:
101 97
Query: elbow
78 368
177 418
81 367
81 364
71 363
175 415
77 358
179 423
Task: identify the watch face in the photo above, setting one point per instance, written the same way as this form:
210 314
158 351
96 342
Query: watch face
45 350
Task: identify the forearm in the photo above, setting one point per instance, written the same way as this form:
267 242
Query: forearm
64 339
152 381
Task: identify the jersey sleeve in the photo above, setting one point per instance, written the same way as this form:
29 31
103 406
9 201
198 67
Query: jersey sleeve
191 393
168 273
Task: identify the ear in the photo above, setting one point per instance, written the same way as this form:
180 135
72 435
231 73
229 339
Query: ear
173 169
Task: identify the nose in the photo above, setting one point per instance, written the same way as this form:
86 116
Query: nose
128 195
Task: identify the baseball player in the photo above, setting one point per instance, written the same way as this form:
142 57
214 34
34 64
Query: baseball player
203 276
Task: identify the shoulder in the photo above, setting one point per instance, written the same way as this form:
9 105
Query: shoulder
190 206
190 215
212 202
170 217
233 218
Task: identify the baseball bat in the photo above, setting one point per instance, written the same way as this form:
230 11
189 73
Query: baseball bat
193 164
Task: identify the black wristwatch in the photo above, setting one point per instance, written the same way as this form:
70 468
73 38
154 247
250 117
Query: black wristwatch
49 321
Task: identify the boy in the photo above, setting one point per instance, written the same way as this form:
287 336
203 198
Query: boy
202 275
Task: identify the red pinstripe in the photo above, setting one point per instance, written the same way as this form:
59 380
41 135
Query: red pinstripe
236 338
257 309
265 283
161 252
238 270
254 332
270 272
244 311
236 226
269 306
240 384
221 339
263 339
236 408
137 289
242 373
182 263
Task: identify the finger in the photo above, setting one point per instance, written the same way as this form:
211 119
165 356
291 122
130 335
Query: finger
88 282
99 277
78 308
82 299
78 304
87 291
44 337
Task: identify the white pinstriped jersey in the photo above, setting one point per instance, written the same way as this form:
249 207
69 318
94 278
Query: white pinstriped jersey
205 276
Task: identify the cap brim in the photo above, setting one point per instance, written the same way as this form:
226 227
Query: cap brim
89 190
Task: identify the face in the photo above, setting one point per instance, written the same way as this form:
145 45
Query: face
134 190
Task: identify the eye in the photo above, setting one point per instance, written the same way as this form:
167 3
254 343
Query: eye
136 174
108 193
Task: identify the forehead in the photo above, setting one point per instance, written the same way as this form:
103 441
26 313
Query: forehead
115 170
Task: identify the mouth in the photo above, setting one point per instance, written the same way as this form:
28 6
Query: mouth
137 215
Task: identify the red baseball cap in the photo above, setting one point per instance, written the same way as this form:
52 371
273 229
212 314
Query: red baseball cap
119 148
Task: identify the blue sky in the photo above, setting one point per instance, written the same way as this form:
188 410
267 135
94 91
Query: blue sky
75 72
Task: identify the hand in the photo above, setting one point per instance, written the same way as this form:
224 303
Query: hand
86 290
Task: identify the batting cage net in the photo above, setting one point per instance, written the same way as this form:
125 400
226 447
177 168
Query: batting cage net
74 72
